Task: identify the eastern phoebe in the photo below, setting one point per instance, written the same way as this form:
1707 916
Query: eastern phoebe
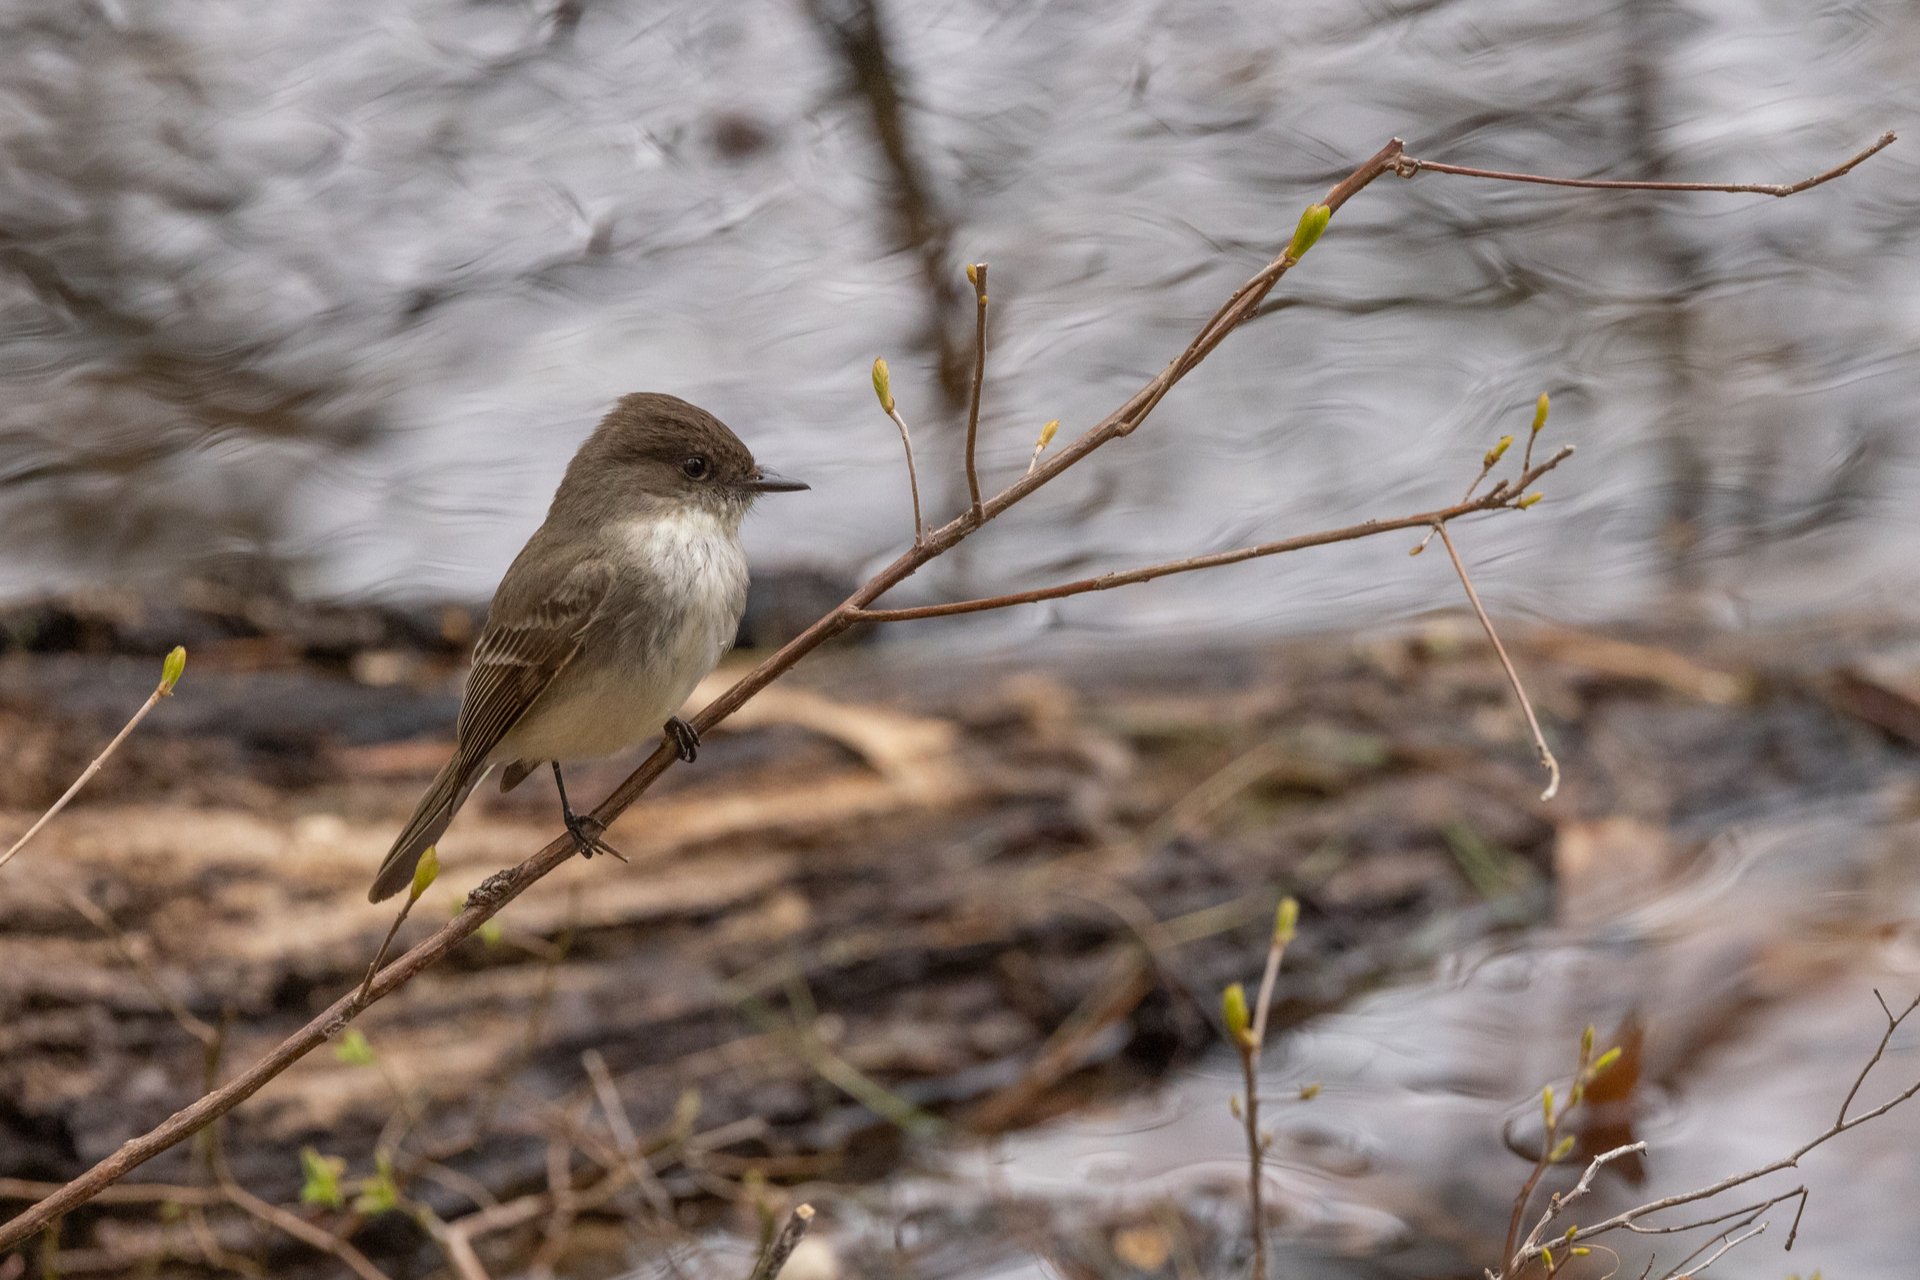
615 609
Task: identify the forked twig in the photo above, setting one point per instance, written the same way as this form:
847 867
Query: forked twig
1629 1219
1218 559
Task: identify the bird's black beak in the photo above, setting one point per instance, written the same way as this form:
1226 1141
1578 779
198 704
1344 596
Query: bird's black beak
765 481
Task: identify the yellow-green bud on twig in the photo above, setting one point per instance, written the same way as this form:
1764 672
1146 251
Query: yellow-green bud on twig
1233 1008
1582 1251
1546 1105
882 384
172 669
1286 920
1561 1150
1312 222
1548 1255
1540 413
427 872
1531 499
1606 1060
973 274
1040 445
1308 1092
1497 452
1586 1043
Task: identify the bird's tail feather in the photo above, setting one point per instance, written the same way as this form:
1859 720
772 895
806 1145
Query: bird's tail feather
428 824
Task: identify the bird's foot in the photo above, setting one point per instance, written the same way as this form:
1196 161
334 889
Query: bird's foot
685 739
587 833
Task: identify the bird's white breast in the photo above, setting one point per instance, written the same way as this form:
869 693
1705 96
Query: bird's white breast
683 588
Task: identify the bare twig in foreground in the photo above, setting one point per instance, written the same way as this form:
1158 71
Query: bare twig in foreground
1248 1033
170 671
977 277
1630 1219
784 1244
504 886
1547 760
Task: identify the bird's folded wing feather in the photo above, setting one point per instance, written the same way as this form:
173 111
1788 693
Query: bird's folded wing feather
520 654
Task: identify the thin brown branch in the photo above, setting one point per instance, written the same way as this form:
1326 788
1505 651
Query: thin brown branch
1408 166
1547 760
1127 577
784 1244
504 886
977 276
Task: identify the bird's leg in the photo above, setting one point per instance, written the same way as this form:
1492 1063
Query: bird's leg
685 739
586 832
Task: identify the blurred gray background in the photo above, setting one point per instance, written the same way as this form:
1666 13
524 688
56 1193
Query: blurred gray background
321 295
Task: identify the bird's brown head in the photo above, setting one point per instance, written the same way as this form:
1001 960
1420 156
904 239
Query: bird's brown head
658 449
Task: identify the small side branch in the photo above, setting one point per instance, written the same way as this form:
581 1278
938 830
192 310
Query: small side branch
1547 760
1491 501
170 672
883 388
1408 166
977 277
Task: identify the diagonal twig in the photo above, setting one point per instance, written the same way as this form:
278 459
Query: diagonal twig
170 671
1547 760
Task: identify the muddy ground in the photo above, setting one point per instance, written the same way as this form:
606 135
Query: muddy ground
904 893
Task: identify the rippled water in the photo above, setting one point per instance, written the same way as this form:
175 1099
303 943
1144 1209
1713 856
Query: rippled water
1751 978
330 291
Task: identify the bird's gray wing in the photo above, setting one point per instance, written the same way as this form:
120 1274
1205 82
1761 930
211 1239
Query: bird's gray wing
521 652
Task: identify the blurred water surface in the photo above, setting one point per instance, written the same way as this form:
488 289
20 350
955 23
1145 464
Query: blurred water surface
326 293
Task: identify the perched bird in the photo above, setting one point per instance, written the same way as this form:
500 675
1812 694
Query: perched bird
615 609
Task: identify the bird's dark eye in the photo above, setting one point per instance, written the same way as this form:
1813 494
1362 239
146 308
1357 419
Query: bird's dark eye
696 467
